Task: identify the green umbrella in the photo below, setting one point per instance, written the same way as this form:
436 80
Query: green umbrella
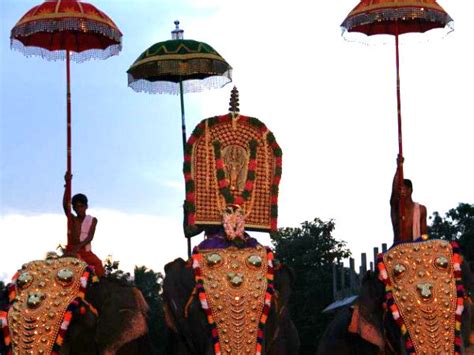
179 66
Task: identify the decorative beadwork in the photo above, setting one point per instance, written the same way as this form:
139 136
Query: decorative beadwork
235 297
210 186
426 298
41 310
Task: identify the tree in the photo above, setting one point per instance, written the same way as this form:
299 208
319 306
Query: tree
310 251
457 224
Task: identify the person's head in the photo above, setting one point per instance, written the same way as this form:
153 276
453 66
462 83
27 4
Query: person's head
407 188
79 204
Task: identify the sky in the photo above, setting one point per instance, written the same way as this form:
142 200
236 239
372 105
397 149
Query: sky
331 104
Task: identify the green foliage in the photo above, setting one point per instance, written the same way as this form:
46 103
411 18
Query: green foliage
310 251
150 284
112 271
457 224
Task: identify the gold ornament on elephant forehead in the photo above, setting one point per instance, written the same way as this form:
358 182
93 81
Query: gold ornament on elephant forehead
45 288
236 284
424 291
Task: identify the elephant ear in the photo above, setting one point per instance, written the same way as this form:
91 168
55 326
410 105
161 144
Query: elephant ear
284 279
281 335
183 311
367 316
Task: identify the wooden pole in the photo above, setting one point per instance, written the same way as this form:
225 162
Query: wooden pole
183 135
69 144
401 204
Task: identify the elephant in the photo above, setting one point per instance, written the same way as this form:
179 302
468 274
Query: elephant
383 336
189 329
115 322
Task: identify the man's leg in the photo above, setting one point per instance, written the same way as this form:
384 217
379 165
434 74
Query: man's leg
91 259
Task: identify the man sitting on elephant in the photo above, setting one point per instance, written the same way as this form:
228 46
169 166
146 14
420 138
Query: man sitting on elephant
412 224
82 231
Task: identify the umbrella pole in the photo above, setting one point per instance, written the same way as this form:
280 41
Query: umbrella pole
401 208
68 164
183 132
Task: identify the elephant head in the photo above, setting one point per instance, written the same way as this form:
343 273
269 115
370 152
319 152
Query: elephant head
189 328
368 328
110 318
362 328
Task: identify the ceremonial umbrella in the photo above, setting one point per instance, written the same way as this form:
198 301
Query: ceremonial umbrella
396 17
179 66
66 29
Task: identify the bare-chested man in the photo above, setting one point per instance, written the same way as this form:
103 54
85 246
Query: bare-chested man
82 231
414 214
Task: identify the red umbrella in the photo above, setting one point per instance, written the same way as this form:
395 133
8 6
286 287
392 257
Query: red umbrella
66 29
396 17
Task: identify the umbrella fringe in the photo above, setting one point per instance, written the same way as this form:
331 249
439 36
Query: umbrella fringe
189 86
61 54
427 19
81 25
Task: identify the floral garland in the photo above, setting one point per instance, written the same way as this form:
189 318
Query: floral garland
391 305
11 290
87 277
268 301
234 222
197 259
5 332
190 202
460 293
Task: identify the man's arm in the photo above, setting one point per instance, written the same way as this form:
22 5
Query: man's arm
395 197
423 225
67 180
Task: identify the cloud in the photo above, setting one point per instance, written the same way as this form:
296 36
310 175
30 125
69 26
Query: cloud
134 239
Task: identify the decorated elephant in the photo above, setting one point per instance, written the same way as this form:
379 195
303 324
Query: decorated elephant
430 313
230 297
58 306
191 332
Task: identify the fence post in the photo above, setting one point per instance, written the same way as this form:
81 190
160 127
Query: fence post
334 280
363 263
376 252
343 280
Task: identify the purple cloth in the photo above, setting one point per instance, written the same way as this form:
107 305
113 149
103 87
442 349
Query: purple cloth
218 240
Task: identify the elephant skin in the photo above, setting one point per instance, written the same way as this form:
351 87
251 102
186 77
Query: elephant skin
189 330
120 328
338 340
